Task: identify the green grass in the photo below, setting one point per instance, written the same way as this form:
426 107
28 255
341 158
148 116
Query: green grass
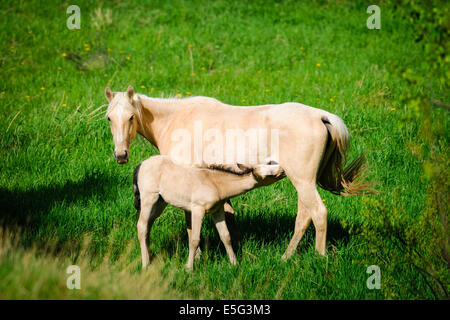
59 180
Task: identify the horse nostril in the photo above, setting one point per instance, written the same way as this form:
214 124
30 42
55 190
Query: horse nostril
122 156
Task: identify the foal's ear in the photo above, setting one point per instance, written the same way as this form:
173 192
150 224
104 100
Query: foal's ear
243 167
130 93
109 94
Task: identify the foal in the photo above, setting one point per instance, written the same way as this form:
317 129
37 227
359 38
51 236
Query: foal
158 181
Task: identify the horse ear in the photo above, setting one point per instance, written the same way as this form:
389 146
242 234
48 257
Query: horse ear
109 94
130 93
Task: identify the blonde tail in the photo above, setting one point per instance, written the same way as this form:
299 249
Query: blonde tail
333 176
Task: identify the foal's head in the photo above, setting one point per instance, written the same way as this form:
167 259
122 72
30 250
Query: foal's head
122 114
266 174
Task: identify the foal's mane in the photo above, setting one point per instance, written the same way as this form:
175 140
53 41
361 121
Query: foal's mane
230 169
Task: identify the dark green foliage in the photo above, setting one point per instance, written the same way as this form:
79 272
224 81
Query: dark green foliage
407 243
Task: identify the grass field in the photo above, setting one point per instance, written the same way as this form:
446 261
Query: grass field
59 182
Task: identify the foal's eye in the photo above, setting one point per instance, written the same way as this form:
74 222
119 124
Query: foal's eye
109 119
132 117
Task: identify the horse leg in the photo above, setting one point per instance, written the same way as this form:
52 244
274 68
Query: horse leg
231 223
310 207
197 214
187 215
151 208
302 166
219 219
302 222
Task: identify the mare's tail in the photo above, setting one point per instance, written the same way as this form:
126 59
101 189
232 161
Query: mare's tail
333 176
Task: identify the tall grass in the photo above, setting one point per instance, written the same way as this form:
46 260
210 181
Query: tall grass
42 273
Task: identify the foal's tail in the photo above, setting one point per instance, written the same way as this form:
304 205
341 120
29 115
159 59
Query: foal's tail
137 195
333 176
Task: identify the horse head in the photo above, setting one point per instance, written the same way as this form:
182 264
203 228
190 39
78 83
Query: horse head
122 114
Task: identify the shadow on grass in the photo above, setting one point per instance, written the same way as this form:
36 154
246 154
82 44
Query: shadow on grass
28 209
264 226
278 227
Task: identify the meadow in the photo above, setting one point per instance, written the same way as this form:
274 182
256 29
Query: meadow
60 186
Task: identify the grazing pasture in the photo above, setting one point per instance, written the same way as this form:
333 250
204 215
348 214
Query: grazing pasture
60 185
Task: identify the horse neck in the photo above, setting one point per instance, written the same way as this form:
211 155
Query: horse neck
231 185
155 115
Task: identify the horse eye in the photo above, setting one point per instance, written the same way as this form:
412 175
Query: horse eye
109 119
132 117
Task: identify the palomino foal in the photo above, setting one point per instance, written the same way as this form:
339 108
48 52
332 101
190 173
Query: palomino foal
158 181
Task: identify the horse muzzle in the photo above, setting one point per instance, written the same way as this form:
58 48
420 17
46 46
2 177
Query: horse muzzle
122 157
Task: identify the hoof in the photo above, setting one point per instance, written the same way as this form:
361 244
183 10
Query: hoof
198 254
234 263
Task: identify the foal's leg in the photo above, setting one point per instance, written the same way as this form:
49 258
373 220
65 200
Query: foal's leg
198 214
187 215
152 205
231 223
219 219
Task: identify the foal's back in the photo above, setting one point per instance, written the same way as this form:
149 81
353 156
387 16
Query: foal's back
181 186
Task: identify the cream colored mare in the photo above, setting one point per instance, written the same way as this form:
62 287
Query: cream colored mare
158 181
312 144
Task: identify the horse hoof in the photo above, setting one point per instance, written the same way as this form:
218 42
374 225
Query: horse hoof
198 254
